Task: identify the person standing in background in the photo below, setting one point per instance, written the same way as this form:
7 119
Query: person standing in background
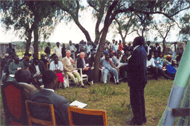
157 49
149 49
57 51
32 49
47 50
72 48
174 50
10 50
63 50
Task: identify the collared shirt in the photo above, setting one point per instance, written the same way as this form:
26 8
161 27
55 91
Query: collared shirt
23 83
150 63
68 59
84 63
37 69
148 50
88 47
54 66
48 89
136 47
57 51
158 62
72 48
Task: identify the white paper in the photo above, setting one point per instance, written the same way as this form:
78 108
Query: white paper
78 104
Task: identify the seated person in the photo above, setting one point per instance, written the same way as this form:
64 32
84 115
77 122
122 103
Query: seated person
44 60
167 61
13 67
26 61
108 67
123 72
37 68
83 63
69 69
48 96
172 68
114 59
91 59
178 58
157 60
57 67
23 78
155 70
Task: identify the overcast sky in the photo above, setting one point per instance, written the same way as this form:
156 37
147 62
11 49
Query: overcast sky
65 32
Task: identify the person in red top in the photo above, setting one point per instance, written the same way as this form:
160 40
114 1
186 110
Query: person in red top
120 46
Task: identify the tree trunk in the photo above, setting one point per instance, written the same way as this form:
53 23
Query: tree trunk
97 39
35 39
164 47
99 52
28 41
107 23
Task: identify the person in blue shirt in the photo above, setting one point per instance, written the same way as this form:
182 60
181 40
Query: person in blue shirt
157 60
172 68
108 67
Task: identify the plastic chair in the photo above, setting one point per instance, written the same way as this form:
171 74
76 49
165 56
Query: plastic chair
79 116
33 109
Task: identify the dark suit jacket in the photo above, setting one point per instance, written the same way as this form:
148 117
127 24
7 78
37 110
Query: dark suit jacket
136 68
60 105
47 50
80 63
41 67
158 50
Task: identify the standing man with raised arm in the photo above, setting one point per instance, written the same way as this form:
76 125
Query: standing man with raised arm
137 79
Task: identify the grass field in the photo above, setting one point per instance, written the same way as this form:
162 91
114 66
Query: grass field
116 101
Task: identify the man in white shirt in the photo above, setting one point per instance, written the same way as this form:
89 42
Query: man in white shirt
57 67
173 48
57 50
88 48
155 70
32 49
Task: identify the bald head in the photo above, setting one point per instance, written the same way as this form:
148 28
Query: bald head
68 53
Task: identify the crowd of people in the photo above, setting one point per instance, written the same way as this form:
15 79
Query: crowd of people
123 62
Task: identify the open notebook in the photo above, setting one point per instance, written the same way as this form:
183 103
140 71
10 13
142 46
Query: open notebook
78 104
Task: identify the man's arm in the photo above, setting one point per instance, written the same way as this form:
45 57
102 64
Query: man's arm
65 65
111 63
134 61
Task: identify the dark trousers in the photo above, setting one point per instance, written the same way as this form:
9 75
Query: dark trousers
138 103
158 71
122 72
89 72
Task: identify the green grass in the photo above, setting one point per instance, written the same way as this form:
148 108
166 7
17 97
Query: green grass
115 99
